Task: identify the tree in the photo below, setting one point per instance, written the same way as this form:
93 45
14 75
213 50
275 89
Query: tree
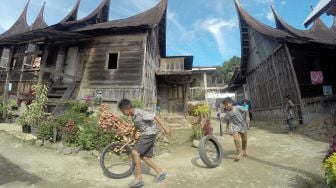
226 71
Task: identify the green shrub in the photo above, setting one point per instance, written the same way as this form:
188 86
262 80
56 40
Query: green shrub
137 104
12 104
45 129
79 107
88 133
92 137
1 110
70 133
105 137
70 121
71 115
36 110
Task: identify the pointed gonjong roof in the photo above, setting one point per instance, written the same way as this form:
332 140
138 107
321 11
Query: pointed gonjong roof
154 18
72 16
39 21
151 17
319 32
99 15
247 20
20 26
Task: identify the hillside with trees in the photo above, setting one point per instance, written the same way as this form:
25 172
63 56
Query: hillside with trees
227 69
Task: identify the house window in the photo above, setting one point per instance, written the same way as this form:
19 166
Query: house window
112 62
4 58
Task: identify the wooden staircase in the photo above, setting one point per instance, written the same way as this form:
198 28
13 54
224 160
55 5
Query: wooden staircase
58 97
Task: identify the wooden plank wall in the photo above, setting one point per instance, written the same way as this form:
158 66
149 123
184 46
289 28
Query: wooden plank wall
320 105
151 64
172 64
114 83
269 83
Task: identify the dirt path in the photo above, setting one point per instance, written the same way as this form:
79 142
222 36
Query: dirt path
275 160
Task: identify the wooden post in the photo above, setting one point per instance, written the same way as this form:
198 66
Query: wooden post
8 71
21 75
59 65
296 84
205 87
43 61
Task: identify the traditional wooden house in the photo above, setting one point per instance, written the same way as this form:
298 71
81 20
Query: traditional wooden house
78 58
286 61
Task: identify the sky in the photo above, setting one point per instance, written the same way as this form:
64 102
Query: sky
206 29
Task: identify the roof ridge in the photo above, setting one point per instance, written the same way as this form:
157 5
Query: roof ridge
20 25
39 21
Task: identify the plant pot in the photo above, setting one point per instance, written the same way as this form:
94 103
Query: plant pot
26 128
34 130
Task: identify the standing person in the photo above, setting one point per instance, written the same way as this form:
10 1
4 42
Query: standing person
246 106
218 108
235 117
289 108
143 149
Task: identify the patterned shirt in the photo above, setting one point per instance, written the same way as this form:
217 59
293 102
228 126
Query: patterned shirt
236 118
144 122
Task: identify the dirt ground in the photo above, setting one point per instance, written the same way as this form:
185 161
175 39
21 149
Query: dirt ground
275 160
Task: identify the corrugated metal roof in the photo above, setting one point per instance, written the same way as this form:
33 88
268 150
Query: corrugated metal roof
320 8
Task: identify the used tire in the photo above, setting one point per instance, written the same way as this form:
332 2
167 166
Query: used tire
123 174
202 149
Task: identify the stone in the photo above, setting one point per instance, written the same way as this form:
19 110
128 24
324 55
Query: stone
95 153
30 141
83 154
195 143
47 144
39 143
60 146
75 150
67 151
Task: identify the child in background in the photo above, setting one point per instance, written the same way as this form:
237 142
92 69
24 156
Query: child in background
247 108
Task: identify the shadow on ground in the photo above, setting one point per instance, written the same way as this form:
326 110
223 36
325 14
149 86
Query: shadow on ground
298 180
10 172
282 129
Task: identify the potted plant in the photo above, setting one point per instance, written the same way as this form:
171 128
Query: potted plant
25 123
36 110
200 124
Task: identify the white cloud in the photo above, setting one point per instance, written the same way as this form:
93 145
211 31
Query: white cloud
184 33
283 2
219 29
270 16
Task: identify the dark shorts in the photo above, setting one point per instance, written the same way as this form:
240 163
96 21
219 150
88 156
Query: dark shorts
145 145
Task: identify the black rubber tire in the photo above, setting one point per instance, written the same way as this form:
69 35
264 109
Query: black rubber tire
106 171
202 151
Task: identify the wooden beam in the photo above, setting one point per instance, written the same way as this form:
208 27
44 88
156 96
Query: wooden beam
27 54
43 61
296 83
8 71
21 75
